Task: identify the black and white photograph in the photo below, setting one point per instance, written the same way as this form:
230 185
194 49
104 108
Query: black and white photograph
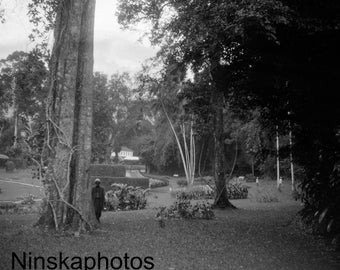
170 134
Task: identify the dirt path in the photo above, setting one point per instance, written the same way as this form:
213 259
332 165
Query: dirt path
134 174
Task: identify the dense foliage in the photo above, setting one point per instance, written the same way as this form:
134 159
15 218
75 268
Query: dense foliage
123 197
22 104
237 191
182 208
155 183
254 65
280 56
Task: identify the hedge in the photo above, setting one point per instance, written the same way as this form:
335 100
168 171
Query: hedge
136 167
107 170
106 182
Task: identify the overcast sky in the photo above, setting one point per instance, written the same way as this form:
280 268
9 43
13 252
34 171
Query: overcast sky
114 49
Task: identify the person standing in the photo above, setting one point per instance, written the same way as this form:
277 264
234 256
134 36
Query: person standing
98 198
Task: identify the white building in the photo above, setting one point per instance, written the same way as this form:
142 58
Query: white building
124 153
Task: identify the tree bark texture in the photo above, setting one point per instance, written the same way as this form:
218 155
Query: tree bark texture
218 75
221 199
69 118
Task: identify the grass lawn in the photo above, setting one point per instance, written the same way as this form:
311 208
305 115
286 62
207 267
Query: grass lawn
255 236
18 184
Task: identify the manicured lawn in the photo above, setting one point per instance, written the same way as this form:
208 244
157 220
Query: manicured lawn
240 239
18 184
255 236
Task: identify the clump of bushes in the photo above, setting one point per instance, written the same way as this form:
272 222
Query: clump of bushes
10 166
123 197
204 192
27 204
7 206
250 178
39 171
182 208
237 191
19 163
28 199
154 183
201 192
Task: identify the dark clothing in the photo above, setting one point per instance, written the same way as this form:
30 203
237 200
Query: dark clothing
98 199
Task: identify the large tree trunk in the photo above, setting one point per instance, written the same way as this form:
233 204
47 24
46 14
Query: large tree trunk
218 75
69 117
221 199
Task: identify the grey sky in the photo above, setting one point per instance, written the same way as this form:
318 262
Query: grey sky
115 49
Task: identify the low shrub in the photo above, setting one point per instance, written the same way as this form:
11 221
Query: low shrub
195 193
154 183
19 163
36 173
111 201
237 191
183 208
27 204
9 166
182 182
9 207
123 197
250 178
297 195
28 199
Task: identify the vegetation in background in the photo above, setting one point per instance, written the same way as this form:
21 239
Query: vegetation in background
278 56
239 69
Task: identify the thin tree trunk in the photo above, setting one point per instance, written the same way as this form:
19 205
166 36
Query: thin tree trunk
205 161
69 117
200 159
15 126
277 158
252 166
15 114
235 158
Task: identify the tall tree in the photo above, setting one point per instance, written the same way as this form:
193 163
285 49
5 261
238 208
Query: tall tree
299 74
102 119
69 118
113 108
23 87
205 35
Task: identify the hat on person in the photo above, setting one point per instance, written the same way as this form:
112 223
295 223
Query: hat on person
97 180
